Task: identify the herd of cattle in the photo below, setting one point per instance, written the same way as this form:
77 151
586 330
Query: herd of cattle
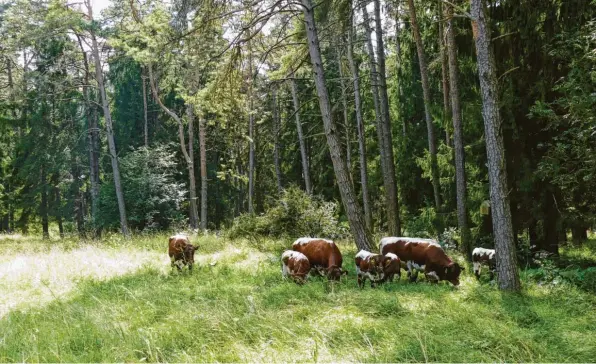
322 257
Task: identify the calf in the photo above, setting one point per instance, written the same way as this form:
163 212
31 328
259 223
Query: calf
423 255
391 267
369 265
484 256
181 251
296 265
323 255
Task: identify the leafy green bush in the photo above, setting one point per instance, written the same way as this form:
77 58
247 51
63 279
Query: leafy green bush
151 194
294 214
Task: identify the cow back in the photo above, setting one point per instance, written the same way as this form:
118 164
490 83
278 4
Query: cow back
320 252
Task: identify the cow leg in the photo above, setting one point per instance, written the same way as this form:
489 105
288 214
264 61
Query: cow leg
284 270
477 268
190 268
414 276
361 280
432 277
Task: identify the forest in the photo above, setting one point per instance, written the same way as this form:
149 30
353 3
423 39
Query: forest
249 124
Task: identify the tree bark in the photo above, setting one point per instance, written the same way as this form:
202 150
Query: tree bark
146 125
508 275
432 146
389 173
352 208
444 74
342 85
193 213
458 138
109 127
251 136
305 169
59 212
276 130
44 203
204 181
361 133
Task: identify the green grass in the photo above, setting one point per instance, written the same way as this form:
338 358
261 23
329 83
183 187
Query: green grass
119 301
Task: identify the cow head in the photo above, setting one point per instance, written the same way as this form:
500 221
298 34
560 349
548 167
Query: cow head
334 273
189 253
452 273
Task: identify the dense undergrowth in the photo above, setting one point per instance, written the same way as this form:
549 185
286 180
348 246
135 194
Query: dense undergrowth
118 300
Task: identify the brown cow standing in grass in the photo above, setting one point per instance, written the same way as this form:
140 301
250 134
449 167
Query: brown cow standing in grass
323 255
371 266
423 255
391 267
295 265
181 251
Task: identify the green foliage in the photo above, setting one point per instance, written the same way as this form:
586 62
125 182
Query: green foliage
294 214
153 197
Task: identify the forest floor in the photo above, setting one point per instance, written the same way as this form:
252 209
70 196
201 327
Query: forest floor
119 301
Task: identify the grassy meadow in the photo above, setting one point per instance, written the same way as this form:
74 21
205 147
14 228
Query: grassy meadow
117 300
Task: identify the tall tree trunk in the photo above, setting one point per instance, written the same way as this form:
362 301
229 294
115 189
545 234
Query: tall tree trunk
346 189
398 61
276 131
432 146
78 198
187 158
251 136
344 102
194 212
444 75
44 203
109 127
360 129
458 138
146 126
203 162
508 275
305 169
389 173
59 211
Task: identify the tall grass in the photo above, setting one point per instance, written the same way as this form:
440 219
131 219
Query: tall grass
119 301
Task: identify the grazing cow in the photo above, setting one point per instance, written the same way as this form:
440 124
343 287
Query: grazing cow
323 255
296 265
391 267
371 266
484 256
423 255
181 251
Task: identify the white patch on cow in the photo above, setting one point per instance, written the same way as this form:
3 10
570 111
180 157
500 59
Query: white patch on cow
284 270
391 255
432 275
363 254
394 239
477 267
305 240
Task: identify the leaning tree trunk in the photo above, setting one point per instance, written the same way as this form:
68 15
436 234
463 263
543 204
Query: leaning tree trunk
389 173
508 275
360 129
458 138
444 76
432 146
251 136
109 128
276 130
305 168
194 213
346 189
203 162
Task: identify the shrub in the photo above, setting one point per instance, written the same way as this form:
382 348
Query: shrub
294 214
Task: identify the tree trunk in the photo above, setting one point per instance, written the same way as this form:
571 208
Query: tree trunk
444 74
432 146
44 203
305 169
389 173
193 213
508 275
398 63
251 136
342 85
352 208
59 212
78 198
458 139
204 181
361 133
276 130
109 127
146 126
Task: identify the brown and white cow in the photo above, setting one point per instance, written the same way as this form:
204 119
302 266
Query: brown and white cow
181 251
484 256
295 265
371 266
323 255
423 255
391 267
